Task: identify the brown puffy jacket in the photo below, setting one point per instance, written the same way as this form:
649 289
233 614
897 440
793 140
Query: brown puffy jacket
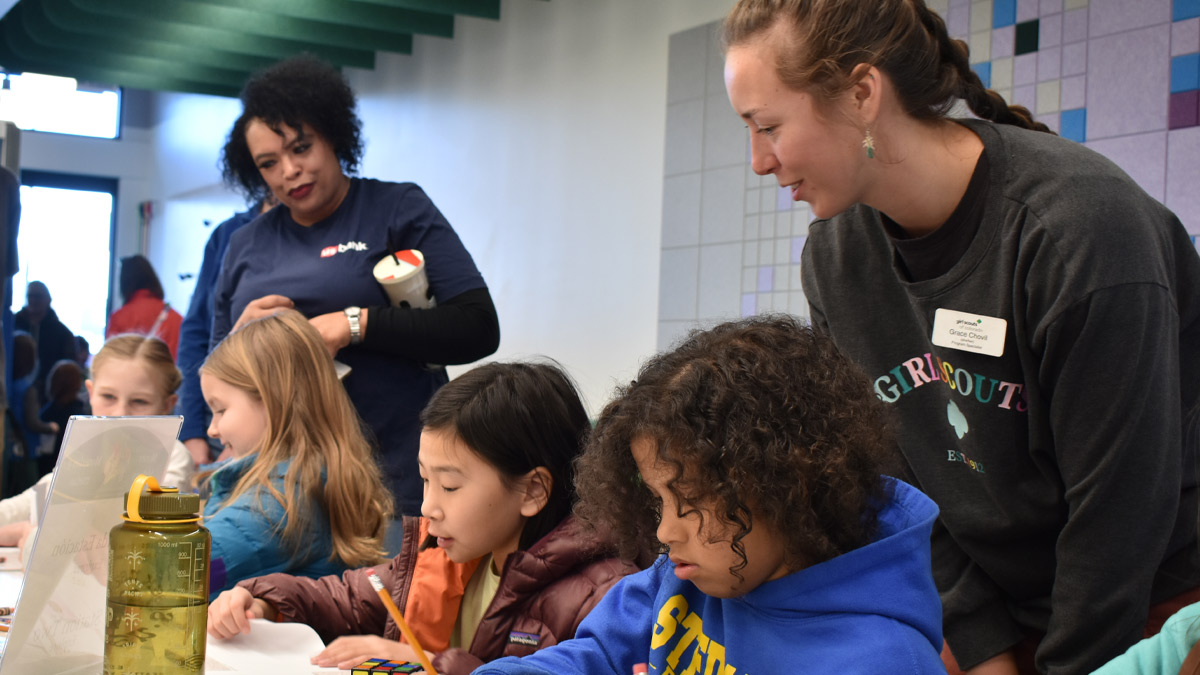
544 593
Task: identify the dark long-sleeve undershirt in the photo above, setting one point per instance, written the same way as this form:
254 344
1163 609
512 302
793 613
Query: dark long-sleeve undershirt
463 329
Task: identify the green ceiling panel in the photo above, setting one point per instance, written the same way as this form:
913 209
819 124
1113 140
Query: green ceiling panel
484 9
23 45
352 14
86 70
238 20
42 31
211 46
68 17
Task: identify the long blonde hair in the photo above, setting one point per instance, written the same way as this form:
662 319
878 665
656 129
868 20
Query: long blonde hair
281 361
149 350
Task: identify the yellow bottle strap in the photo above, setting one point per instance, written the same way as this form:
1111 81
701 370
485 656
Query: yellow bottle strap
135 495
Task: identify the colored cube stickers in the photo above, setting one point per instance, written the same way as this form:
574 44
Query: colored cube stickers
374 666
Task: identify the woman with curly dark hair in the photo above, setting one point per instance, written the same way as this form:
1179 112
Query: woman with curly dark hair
300 139
752 457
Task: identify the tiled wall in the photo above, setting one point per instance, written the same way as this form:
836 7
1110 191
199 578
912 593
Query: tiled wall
1121 76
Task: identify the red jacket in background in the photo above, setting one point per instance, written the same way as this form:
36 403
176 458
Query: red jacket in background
544 594
140 313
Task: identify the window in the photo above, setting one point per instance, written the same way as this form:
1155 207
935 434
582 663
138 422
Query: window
60 104
65 241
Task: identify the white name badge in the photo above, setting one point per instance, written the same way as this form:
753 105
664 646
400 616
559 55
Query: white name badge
969 332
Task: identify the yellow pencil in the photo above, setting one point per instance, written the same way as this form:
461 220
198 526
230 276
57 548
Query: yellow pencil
399 619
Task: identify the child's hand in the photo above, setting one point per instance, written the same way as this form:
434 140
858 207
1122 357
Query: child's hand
230 613
347 652
14 534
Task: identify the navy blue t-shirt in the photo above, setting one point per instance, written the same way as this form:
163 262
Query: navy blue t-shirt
328 267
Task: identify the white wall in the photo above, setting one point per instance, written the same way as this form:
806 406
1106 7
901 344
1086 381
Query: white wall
541 138
191 198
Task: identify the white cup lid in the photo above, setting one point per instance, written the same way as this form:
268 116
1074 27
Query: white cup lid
399 266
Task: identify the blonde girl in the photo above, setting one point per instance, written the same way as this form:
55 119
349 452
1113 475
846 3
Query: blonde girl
132 375
302 493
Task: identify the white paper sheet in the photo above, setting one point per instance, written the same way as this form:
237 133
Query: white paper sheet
269 648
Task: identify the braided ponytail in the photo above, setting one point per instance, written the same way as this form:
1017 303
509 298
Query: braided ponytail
982 101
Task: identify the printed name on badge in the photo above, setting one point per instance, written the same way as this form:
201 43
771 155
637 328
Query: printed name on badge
969 332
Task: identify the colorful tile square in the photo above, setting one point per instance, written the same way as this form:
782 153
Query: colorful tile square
958 20
749 304
1074 124
1074 59
1048 7
1074 92
1051 29
1184 9
981 16
1027 37
1002 42
1025 69
1027 9
1185 72
1004 13
1185 37
798 248
1184 110
766 279
1075 25
984 71
1049 65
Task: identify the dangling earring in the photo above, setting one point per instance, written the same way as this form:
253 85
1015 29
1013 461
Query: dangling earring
869 144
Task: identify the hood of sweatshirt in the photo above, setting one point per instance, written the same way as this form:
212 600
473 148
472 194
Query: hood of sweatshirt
891 576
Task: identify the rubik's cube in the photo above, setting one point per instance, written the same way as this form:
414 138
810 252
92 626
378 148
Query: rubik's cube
373 666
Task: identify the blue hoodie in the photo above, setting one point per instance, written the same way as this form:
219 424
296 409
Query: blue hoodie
872 610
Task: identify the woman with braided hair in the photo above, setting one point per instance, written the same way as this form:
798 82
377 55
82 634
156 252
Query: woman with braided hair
1029 313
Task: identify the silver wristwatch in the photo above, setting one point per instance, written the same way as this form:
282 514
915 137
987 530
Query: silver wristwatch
352 314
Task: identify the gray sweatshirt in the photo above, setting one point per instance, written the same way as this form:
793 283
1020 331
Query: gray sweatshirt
1068 501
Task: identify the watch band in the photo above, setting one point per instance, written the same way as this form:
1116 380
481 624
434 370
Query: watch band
352 315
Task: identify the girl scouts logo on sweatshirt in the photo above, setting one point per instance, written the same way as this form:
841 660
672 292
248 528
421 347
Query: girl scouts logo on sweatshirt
519 638
342 248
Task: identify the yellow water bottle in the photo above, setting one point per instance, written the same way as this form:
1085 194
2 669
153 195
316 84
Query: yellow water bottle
157 615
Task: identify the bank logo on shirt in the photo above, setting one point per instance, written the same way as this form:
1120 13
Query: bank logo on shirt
342 248
691 651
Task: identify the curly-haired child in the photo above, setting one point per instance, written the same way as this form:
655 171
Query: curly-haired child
752 457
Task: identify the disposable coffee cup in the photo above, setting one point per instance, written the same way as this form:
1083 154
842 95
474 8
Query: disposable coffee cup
402 275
